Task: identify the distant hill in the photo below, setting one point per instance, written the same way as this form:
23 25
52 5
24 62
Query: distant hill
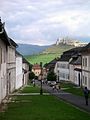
57 49
49 54
28 49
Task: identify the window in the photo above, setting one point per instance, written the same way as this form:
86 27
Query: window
63 66
4 56
85 80
57 65
85 62
0 55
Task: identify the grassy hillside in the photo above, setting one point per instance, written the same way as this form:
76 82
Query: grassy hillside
58 49
45 58
49 54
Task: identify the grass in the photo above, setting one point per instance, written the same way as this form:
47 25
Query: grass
41 107
45 58
31 89
71 88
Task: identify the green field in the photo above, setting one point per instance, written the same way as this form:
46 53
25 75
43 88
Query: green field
49 54
44 58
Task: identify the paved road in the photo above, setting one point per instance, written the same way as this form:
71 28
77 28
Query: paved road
73 99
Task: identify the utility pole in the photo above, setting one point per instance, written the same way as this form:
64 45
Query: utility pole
41 90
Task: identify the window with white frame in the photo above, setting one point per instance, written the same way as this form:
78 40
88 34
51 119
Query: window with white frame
85 80
57 65
85 62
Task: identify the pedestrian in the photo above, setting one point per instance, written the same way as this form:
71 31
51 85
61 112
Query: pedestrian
57 87
53 87
86 94
33 83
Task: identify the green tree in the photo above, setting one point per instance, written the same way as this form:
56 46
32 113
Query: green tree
31 75
51 76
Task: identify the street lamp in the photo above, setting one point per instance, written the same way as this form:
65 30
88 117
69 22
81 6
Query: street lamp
41 90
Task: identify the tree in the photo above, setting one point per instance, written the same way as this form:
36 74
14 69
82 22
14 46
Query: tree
31 75
51 76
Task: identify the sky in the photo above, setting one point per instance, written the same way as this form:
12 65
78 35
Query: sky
42 22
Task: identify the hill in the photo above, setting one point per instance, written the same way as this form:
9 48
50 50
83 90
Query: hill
57 49
49 54
28 49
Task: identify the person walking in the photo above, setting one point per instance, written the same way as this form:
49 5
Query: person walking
33 82
86 94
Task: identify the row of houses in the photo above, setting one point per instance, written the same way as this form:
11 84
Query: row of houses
14 69
73 65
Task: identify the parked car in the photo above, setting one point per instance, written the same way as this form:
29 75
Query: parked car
52 83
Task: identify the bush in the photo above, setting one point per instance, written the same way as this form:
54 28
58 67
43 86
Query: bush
51 76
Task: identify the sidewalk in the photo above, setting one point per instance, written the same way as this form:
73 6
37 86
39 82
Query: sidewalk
78 101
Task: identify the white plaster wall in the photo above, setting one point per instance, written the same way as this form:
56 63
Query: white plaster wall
86 74
72 76
62 71
11 69
76 79
19 74
88 62
26 75
3 74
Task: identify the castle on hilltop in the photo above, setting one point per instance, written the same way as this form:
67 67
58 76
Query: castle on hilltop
69 41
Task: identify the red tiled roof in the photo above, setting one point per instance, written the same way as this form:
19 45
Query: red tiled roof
36 66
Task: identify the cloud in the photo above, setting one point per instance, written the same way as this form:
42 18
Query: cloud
43 21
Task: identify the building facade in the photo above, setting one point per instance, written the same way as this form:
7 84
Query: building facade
19 71
86 66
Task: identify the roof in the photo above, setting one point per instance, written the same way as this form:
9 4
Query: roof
73 61
36 66
65 58
86 48
74 50
13 43
67 55
78 61
4 37
51 64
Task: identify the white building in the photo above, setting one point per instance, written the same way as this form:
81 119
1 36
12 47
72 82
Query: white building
3 65
86 66
62 66
11 66
26 71
19 71
75 70
7 63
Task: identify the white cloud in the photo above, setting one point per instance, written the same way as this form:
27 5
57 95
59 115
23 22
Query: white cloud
43 21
